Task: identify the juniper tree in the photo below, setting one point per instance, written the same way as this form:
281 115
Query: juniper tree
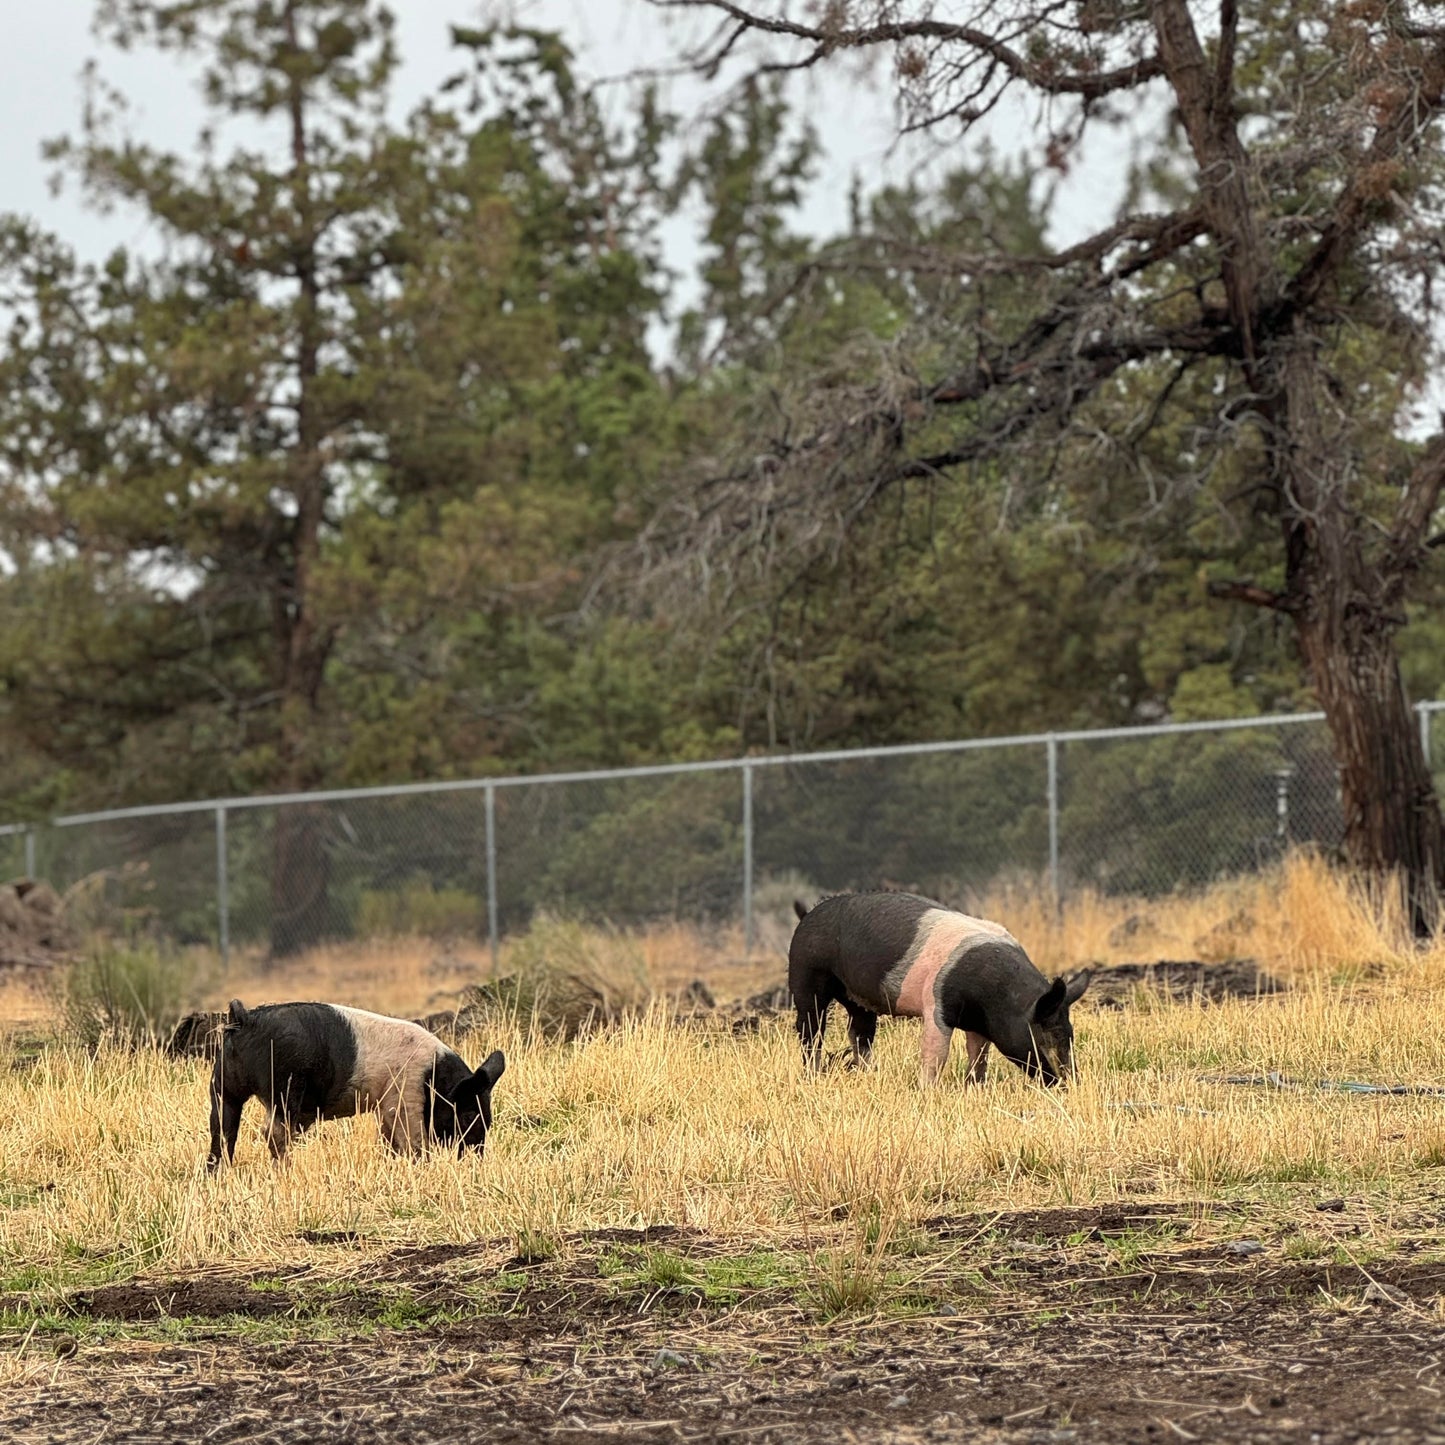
1278 254
370 377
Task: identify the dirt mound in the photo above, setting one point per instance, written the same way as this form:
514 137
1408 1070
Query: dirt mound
583 1010
197 1036
1121 984
33 932
747 1015
566 1011
1114 986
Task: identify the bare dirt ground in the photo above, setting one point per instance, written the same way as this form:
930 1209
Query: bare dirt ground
1124 1323
1117 985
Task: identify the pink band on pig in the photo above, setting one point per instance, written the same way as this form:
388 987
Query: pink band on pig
913 981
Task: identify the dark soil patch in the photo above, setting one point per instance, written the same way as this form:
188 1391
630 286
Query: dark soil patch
1061 1342
1113 986
196 1298
1120 984
1088 1221
1233 1367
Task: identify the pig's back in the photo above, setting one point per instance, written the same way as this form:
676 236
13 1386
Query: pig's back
886 949
857 938
392 1055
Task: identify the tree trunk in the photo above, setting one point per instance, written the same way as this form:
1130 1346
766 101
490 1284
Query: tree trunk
300 880
1346 610
1392 818
301 869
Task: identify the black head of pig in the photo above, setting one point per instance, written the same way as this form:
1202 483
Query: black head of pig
1051 1036
462 1114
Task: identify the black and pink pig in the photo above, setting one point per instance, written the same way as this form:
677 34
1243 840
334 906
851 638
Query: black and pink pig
310 1061
899 954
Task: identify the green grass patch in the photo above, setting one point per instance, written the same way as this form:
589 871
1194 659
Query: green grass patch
719 1281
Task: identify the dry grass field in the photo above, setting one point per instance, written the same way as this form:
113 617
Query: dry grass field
675 1234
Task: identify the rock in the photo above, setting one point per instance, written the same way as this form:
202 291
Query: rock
668 1360
1125 932
1377 1293
1331 1206
1244 1247
697 995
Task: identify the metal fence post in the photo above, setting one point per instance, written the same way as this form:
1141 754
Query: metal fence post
747 857
1281 802
30 852
223 891
1424 710
494 934
1052 746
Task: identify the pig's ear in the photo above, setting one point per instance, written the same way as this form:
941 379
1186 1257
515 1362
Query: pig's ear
1049 1005
1077 985
478 1085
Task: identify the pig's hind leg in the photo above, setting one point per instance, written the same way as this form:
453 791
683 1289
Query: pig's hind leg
813 998
228 1098
862 1028
289 1118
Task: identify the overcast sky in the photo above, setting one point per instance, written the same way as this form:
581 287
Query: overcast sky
47 42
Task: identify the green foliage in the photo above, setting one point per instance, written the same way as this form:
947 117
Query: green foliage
128 994
653 1274
1149 816
419 908
323 461
669 847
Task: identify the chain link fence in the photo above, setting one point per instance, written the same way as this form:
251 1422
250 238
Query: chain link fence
1128 810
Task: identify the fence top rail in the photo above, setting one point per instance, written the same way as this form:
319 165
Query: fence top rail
660 770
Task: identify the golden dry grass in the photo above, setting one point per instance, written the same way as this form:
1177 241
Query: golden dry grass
1302 921
101 1159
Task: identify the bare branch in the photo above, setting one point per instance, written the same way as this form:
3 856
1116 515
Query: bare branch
1400 134
1251 593
1223 165
1176 228
1042 75
1224 61
1416 510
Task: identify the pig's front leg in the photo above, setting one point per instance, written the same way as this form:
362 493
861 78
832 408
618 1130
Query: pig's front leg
401 1122
936 1039
977 1057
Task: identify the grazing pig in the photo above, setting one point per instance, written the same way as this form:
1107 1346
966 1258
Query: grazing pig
310 1061
896 953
